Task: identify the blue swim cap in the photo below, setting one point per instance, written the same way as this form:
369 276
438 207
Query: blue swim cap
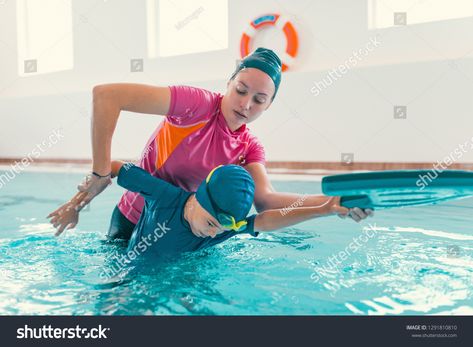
265 60
227 194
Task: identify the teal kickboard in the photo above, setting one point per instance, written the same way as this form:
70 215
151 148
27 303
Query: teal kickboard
390 189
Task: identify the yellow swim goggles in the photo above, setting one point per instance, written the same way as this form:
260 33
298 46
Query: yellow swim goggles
228 222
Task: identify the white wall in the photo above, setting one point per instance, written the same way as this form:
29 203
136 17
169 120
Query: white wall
428 67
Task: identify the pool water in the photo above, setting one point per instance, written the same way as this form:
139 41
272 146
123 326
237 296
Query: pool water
416 260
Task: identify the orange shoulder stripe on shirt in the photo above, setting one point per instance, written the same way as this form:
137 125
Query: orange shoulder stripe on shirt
169 137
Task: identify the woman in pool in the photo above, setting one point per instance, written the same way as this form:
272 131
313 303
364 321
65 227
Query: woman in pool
201 130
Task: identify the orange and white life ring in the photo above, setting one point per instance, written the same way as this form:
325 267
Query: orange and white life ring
281 22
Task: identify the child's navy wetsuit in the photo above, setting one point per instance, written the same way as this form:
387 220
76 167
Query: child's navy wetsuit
162 229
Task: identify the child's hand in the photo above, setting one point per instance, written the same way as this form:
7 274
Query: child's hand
356 213
334 207
67 216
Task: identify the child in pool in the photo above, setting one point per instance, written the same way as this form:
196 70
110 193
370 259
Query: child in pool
175 221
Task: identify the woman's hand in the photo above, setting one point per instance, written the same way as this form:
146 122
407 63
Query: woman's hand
356 213
93 185
67 216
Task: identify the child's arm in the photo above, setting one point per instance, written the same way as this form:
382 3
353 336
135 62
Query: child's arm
116 166
136 179
275 219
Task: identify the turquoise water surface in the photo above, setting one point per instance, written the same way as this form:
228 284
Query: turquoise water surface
416 260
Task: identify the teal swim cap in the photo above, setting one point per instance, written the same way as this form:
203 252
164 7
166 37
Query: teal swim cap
265 60
227 194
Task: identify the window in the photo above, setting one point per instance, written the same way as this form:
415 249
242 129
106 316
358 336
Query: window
381 13
44 36
177 27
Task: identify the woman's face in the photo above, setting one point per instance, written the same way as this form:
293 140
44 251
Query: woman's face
248 96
